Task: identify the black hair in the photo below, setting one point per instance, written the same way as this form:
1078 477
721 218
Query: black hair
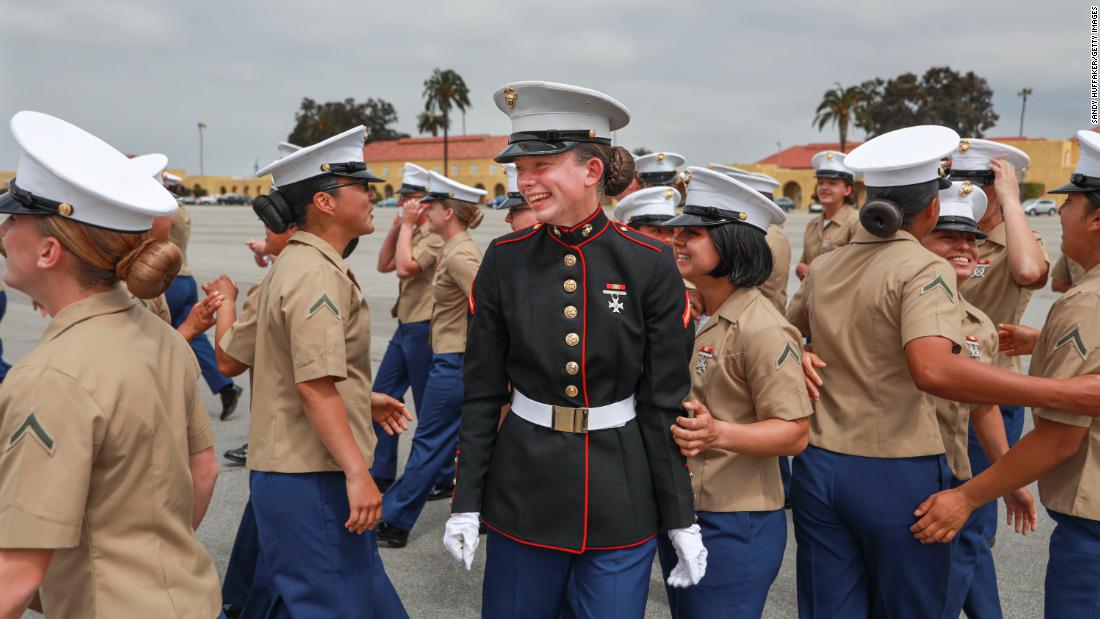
286 206
1094 201
743 254
889 209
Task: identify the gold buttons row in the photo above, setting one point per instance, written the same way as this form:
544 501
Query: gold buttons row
570 260
571 391
569 285
569 312
572 339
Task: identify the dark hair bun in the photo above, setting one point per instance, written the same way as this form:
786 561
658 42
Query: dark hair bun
274 211
881 218
620 171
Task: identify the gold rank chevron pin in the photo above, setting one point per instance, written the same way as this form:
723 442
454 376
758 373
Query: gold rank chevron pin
323 302
788 353
33 427
939 283
1073 337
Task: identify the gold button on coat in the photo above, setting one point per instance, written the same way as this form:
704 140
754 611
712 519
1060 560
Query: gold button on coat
570 285
572 339
572 368
570 312
571 391
570 260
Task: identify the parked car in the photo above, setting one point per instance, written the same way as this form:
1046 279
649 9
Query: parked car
232 198
817 208
387 202
784 203
1040 206
496 202
207 200
187 200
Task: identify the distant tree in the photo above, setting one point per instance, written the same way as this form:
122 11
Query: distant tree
641 150
443 91
198 191
839 107
429 122
317 121
942 96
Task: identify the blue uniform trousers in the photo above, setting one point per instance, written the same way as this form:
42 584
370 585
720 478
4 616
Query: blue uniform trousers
182 295
540 583
983 600
405 365
241 570
744 552
785 475
1073 568
309 564
433 444
971 545
4 365
856 555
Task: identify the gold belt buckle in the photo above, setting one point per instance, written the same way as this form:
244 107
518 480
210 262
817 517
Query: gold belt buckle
573 420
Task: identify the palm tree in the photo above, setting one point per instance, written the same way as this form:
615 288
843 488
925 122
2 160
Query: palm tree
839 106
444 90
429 122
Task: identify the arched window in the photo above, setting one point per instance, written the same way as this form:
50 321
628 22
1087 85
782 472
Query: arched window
389 191
480 186
793 191
223 190
498 190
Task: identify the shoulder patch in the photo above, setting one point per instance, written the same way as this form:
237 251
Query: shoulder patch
788 353
938 283
323 302
1073 337
33 427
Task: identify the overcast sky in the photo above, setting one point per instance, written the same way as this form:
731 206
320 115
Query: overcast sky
709 80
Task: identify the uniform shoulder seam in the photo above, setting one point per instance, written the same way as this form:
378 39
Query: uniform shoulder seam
622 229
517 236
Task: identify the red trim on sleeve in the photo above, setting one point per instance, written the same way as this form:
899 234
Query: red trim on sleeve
687 309
470 298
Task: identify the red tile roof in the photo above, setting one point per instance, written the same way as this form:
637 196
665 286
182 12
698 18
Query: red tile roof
800 156
420 149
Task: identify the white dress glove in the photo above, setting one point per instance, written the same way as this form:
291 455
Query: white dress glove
461 539
691 557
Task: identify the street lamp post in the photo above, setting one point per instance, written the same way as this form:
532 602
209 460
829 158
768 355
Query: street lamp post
1023 94
202 170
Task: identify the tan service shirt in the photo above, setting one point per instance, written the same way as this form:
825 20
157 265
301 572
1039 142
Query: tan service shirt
180 235
239 341
458 264
1066 270
312 321
862 304
96 428
157 305
954 417
746 367
775 288
414 294
823 236
992 289
1070 346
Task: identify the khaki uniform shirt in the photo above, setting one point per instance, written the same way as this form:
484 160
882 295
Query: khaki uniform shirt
823 236
1066 270
775 288
992 289
414 296
96 428
1070 346
312 322
157 305
954 417
862 304
180 235
458 264
746 367
239 341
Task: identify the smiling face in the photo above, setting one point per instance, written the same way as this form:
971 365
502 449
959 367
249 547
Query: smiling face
696 254
559 189
832 191
958 248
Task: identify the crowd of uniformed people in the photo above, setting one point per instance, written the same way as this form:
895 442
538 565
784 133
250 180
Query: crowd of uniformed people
590 392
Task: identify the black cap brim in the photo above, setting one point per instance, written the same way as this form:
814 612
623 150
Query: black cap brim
10 206
848 178
944 183
407 189
1073 188
362 174
514 203
528 148
688 220
956 226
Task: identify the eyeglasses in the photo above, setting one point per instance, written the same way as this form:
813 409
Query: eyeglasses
364 183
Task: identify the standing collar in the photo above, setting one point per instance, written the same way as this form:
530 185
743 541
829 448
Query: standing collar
316 242
98 304
592 226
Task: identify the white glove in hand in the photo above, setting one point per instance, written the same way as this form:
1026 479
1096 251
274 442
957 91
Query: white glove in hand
461 539
691 557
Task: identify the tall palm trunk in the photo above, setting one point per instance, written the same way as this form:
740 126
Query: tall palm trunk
446 167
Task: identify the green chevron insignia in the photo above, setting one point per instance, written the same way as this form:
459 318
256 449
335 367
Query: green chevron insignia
324 301
1073 337
788 353
33 427
939 283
